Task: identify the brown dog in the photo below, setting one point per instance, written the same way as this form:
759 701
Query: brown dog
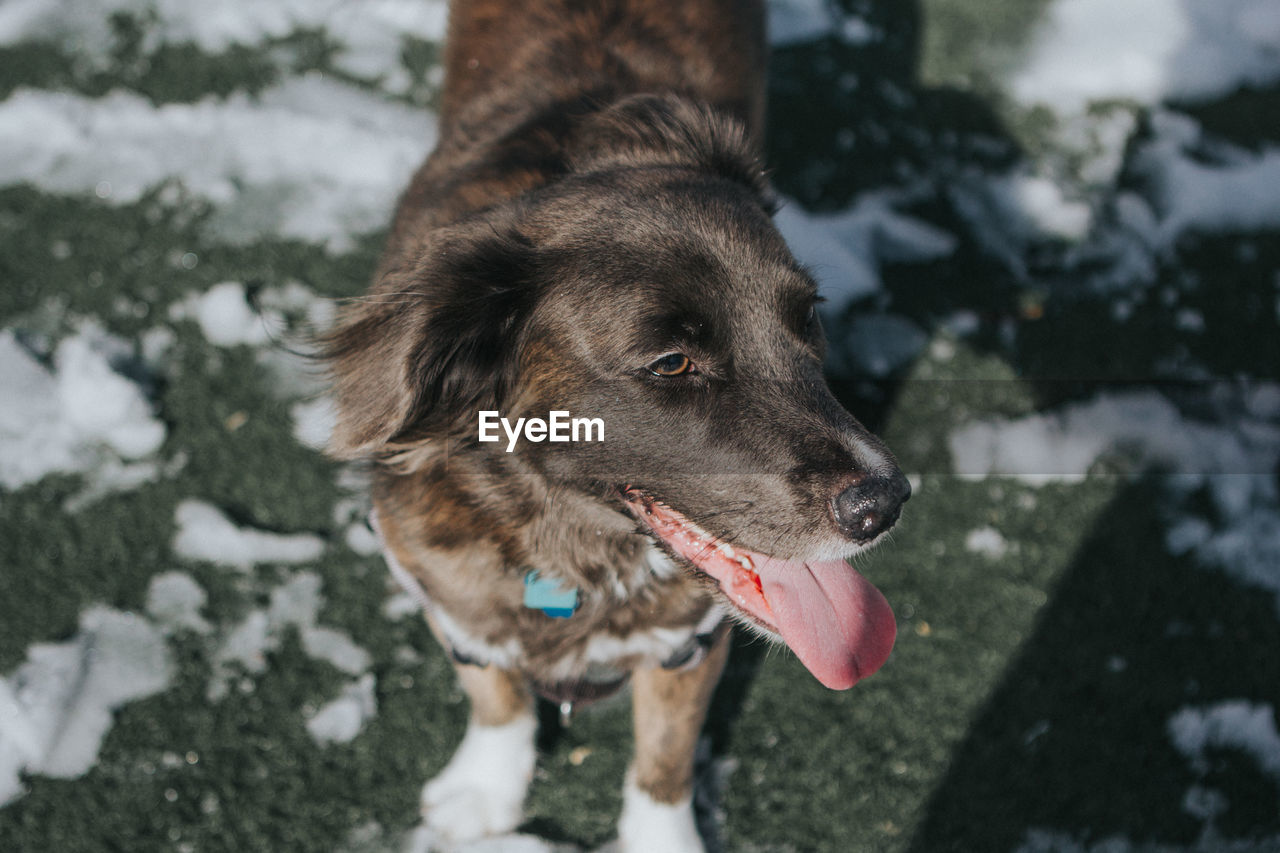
592 236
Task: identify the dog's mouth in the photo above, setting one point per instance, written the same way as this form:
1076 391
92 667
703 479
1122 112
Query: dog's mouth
836 621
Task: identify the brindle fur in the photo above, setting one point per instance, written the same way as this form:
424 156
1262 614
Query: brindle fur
595 201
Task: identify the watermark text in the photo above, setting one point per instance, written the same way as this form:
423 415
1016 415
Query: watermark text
558 426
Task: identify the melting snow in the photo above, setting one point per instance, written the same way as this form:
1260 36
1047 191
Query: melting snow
174 601
1233 462
369 33
1064 445
313 421
1235 724
986 541
1236 191
310 158
844 250
74 417
340 720
226 318
294 604
204 533
1149 51
57 707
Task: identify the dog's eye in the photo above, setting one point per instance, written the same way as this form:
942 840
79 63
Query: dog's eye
671 364
813 309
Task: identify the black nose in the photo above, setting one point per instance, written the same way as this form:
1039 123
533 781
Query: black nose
870 506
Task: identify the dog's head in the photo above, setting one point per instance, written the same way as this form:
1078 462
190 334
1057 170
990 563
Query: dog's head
648 288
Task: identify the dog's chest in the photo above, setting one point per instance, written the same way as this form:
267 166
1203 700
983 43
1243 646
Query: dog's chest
583 644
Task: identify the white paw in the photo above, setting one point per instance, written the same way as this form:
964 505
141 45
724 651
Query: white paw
648 826
481 791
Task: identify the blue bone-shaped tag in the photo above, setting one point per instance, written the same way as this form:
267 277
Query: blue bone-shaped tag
549 597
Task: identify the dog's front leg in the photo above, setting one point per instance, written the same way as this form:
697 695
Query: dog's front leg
481 791
669 709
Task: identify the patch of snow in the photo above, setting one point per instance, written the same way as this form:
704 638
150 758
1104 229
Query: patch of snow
399 605
1149 51
844 250
1064 445
204 533
174 601
1042 200
1098 66
113 476
337 648
73 418
986 541
226 318
309 158
1233 724
57 707
371 33
794 21
367 34
1233 192
293 604
1247 545
362 540
1231 460
339 720
246 644
313 421
155 345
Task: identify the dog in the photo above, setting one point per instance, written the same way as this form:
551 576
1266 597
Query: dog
592 236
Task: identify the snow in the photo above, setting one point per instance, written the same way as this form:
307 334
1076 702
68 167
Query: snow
1246 545
1044 203
1063 445
205 533
368 33
293 605
320 160
1149 51
362 540
310 158
1233 192
1233 724
57 707
225 316
1098 67
340 720
1231 459
986 541
174 601
400 604
791 22
844 251
337 648
313 421
73 418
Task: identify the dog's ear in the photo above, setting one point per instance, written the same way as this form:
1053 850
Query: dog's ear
666 130
431 344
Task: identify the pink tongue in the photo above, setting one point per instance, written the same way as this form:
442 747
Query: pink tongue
836 622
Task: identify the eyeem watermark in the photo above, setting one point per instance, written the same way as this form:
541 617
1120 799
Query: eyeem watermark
557 427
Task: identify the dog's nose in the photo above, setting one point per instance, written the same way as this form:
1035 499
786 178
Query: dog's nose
870 506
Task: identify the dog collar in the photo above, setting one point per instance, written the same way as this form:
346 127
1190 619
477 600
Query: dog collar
549 597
